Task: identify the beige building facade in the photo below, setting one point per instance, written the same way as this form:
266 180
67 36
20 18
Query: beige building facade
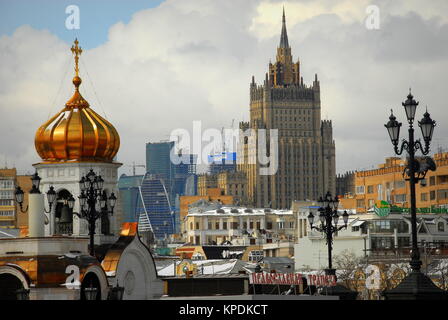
10 214
240 226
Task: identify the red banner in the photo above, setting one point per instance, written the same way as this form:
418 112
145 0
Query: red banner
291 279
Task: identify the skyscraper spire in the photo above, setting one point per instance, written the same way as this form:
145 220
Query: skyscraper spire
284 37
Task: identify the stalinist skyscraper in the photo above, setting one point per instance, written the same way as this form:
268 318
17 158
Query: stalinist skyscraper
306 149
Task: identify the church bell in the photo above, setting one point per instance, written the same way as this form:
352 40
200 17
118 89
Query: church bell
66 215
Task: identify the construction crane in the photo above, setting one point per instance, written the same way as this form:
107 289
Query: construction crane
136 166
224 137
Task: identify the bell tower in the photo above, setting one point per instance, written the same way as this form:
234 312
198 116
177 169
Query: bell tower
71 143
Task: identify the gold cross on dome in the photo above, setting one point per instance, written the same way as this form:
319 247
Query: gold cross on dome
77 52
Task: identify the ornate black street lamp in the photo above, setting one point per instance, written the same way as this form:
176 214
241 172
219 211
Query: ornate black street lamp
416 285
93 203
116 293
90 293
23 294
35 179
328 224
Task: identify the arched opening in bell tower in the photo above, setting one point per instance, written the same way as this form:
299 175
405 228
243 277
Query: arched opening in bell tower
63 214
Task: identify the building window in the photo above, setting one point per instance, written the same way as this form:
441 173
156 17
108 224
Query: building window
424 197
432 181
382 243
360 203
6 202
432 195
217 225
380 192
400 184
251 225
369 189
6 184
360 190
8 213
269 225
224 225
197 225
442 179
388 226
6 194
442 194
400 197
441 227
255 255
403 242
210 225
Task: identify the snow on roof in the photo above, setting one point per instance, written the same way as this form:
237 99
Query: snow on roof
242 211
210 267
9 233
358 223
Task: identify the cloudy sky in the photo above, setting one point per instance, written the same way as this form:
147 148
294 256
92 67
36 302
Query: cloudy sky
151 67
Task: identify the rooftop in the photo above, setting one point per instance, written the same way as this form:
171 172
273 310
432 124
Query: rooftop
240 211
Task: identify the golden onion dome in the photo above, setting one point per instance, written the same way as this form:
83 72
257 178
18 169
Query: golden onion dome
77 133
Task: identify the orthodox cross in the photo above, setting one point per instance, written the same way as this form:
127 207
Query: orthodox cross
77 52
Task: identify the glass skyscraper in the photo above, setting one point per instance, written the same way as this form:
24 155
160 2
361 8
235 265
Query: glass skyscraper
128 187
156 207
171 175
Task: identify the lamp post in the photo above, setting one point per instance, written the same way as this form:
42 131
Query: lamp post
23 294
328 224
93 203
116 293
90 293
416 285
35 179
36 206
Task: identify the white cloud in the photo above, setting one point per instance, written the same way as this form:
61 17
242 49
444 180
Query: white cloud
193 60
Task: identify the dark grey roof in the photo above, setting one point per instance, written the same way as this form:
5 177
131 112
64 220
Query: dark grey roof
277 260
284 36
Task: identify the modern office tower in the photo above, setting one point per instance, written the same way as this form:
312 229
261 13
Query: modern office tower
306 149
181 173
191 185
155 211
158 162
174 176
128 187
